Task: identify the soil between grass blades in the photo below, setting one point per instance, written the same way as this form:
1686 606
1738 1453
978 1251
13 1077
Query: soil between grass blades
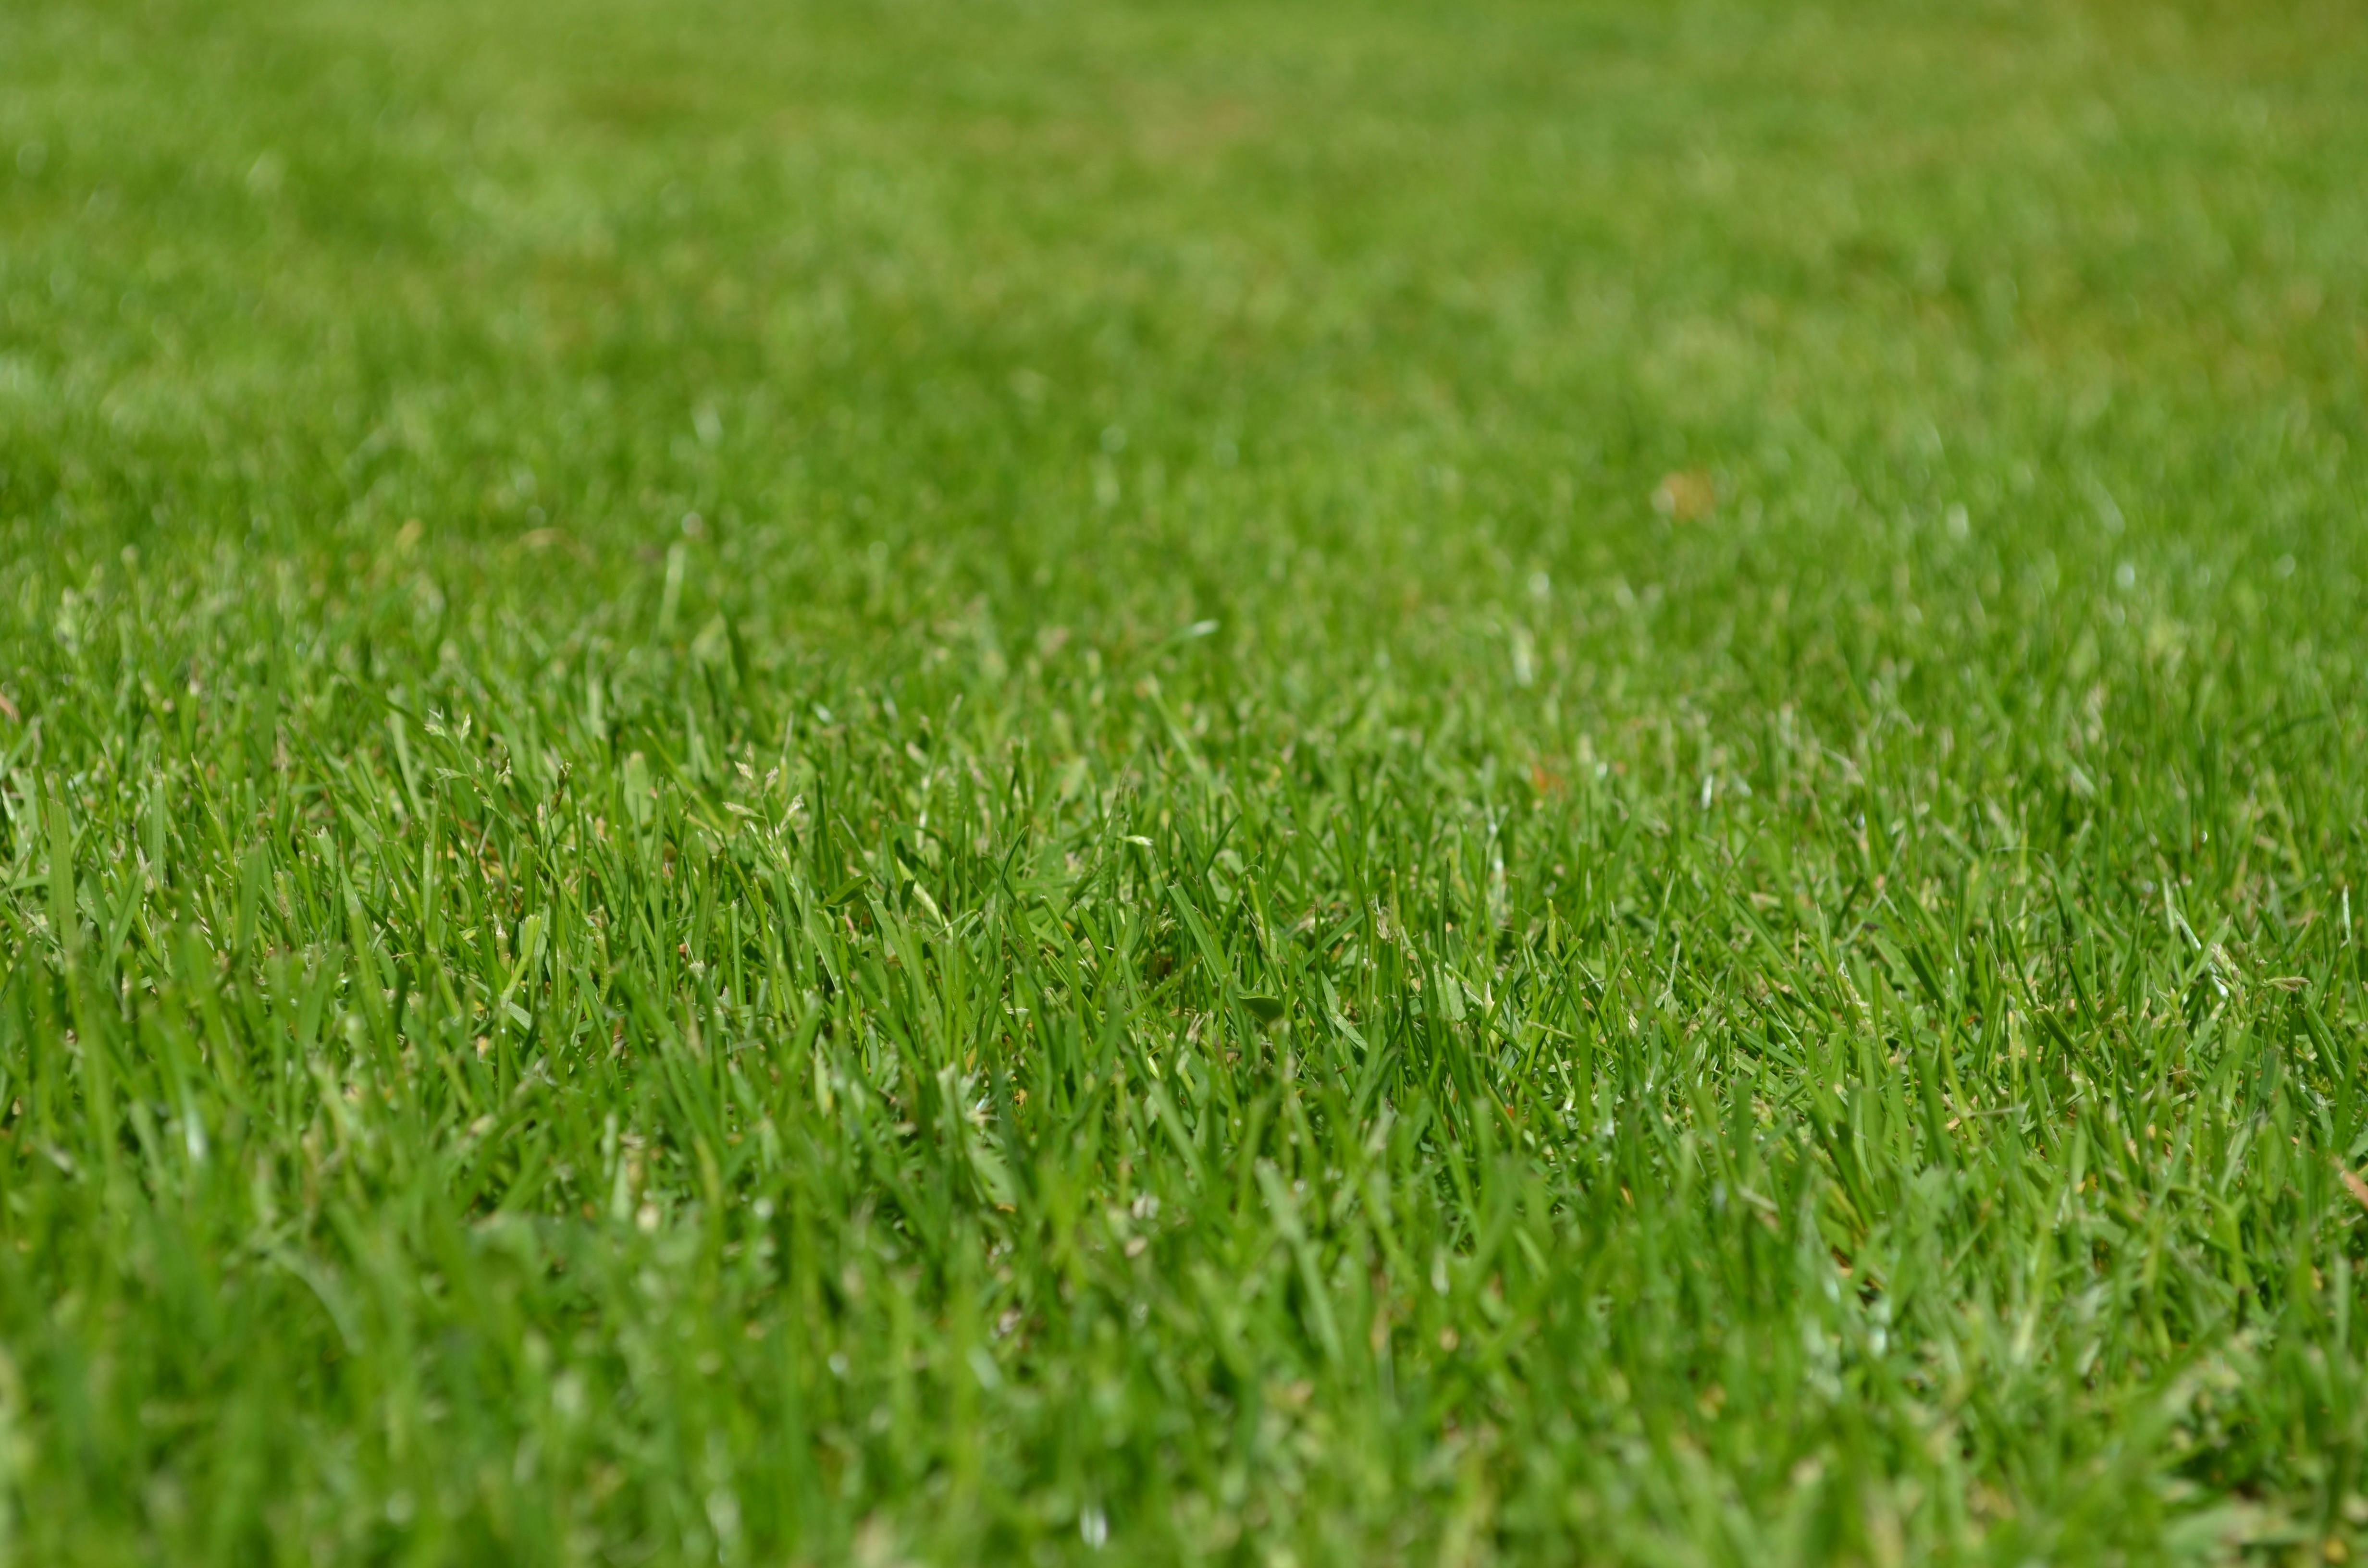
1317 783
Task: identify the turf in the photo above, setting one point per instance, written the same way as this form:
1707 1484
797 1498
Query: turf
1293 784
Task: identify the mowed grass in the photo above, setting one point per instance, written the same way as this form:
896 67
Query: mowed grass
1340 783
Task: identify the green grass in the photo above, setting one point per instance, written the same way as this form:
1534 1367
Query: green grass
1319 783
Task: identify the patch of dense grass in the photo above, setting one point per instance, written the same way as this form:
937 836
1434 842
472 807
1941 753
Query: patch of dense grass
1344 783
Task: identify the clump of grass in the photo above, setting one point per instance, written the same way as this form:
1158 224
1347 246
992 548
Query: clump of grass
1330 784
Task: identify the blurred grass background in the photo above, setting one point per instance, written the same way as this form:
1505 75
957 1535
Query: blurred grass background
894 272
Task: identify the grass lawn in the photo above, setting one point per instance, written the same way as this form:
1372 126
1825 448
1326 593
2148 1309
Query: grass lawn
1373 783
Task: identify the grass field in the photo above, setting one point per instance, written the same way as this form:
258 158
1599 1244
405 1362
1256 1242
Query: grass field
1027 781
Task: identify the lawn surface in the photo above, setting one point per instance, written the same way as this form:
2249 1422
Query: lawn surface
1025 781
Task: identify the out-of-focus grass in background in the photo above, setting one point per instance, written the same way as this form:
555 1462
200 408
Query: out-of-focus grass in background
1311 782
